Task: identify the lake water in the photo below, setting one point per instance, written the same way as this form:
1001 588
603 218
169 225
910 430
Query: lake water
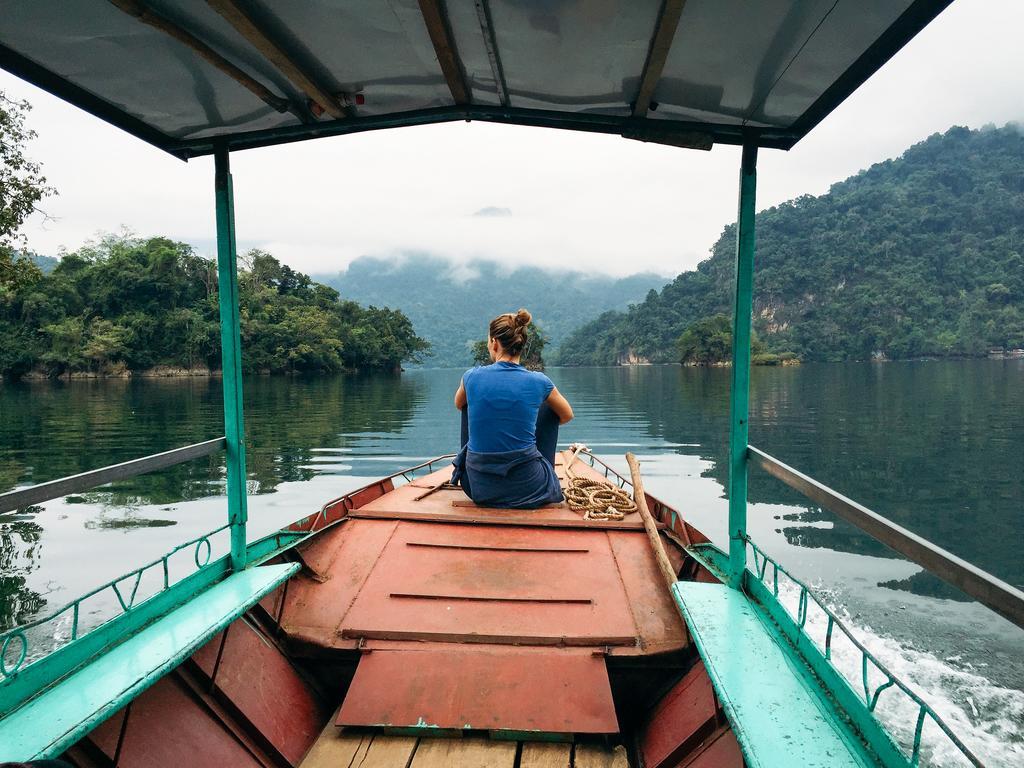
936 446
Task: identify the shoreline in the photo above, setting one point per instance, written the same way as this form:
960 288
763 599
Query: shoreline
173 372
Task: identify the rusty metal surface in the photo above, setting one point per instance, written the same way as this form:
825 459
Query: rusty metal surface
550 690
442 569
659 625
339 508
722 752
317 600
208 655
167 726
267 691
681 721
517 584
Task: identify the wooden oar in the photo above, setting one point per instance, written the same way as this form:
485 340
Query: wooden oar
649 525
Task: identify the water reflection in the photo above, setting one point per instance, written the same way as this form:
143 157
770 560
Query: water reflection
935 446
19 556
51 430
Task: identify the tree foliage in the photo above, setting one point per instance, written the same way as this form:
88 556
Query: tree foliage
131 304
917 256
22 185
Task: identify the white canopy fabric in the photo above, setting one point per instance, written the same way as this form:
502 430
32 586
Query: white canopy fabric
190 74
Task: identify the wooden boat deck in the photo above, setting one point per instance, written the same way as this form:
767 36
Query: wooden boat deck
418 501
420 580
471 619
340 749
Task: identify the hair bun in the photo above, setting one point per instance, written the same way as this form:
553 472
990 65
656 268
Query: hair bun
522 318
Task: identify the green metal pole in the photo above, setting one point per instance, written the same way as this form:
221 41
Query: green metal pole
740 393
231 356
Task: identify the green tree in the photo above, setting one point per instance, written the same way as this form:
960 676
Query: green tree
709 341
22 185
127 302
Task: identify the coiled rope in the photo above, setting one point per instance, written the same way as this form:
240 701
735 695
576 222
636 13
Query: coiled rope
596 499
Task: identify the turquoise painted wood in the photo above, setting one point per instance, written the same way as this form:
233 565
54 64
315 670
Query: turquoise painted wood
231 356
740 390
778 718
820 673
40 674
56 719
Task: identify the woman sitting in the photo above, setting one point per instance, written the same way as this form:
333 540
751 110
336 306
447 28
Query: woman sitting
510 418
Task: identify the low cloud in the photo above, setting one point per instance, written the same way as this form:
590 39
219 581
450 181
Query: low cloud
491 210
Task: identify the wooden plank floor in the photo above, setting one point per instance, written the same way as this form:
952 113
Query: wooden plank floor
337 748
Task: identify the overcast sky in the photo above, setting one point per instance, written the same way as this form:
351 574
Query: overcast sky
516 195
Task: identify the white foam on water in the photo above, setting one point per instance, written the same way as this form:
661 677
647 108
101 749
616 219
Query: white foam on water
987 717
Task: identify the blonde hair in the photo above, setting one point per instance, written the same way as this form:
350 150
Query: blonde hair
509 330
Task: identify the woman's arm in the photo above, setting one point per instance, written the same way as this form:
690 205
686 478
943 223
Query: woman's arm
559 405
460 396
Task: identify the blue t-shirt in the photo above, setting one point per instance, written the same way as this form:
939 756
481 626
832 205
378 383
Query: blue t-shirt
504 399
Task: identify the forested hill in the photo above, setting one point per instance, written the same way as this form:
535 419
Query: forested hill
451 305
133 305
917 256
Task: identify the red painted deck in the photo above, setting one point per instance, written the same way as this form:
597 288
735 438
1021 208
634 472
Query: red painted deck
515 585
479 618
400 579
545 690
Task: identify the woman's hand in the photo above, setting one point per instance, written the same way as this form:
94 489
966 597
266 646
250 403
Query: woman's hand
460 398
557 402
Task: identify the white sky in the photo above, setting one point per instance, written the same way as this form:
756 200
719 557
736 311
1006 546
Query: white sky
576 199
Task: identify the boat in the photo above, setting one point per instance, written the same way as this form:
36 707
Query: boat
401 624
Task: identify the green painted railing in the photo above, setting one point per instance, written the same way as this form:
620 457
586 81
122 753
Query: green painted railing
795 628
997 595
24 669
125 601
16 651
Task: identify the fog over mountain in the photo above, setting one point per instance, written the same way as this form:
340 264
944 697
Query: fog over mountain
450 304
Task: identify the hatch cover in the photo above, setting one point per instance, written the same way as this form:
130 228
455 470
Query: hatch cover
549 690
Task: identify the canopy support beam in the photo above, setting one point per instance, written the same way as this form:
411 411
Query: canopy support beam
483 14
231 356
436 19
238 18
740 391
657 55
151 18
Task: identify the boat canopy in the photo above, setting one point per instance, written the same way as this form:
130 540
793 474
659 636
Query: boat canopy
189 76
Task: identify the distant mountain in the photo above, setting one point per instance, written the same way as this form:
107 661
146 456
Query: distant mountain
450 305
918 256
46 264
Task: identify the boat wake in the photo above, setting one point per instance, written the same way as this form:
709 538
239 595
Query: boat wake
989 718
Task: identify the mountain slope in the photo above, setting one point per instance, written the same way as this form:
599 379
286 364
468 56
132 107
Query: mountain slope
451 305
921 255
